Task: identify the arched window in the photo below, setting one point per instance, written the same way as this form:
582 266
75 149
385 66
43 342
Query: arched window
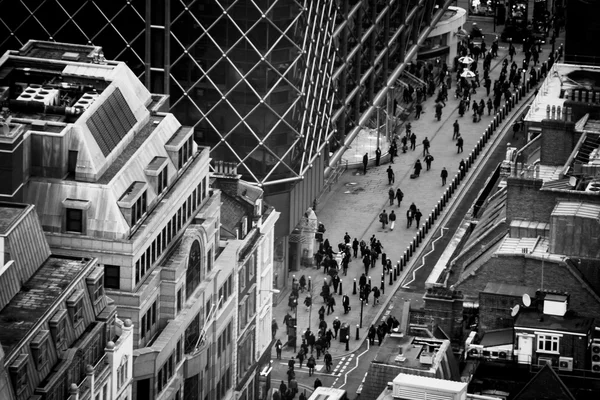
193 273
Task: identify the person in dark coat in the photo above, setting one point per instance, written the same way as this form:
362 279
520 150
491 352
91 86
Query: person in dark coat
418 216
428 160
311 363
413 141
444 176
392 219
418 168
390 175
391 195
336 326
330 304
282 387
328 361
365 162
459 144
322 313
371 334
355 245
278 347
377 157
300 357
399 196
317 383
346 303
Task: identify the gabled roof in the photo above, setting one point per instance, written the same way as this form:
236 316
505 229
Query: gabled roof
545 385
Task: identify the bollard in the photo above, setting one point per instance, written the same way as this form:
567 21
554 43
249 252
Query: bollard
409 251
401 268
347 343
391 280
382 286
354 289
340 287
415 244
397 269
357 332
405 256
395 274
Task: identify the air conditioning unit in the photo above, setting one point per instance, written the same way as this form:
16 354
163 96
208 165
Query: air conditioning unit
37 93
544 361
474 352
565 364
593 187
85 101
595 351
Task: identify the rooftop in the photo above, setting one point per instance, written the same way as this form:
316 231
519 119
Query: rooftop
36 296
559 85
59 51
9 214
509 290
534 319
410 349
497 337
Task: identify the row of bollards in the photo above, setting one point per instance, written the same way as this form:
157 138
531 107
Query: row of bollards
499 117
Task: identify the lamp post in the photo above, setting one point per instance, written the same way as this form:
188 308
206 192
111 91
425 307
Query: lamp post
296 327
311 302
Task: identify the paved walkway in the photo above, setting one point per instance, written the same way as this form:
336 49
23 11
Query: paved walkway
356 200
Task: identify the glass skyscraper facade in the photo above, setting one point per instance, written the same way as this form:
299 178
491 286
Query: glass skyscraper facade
273 86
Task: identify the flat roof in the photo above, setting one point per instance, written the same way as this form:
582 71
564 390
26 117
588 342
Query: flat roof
411 351
497 337
426 382
535 319
9 214
36 296
508 290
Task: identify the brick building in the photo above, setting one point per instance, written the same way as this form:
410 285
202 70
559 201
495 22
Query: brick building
114 177
59 332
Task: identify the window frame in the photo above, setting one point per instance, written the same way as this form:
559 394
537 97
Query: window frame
109 276
40 350
548 339
69 220
75 308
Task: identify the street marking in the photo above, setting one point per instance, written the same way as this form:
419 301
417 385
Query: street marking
355 366
414 277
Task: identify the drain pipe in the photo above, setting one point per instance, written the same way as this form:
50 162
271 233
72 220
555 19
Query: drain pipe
382 95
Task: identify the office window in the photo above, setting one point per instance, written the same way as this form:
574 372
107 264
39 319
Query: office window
112 276
548 343
179 300
162 180
139 208
193 272
242 278
209 260
122 372
74 220
178 352
75 307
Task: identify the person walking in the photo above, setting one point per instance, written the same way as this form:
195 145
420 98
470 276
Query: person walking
383 218
278 348
300 357
330 304
428 160
426 145
456 130
336 327
418 110
391 195
274 328
418 168
390 174
346 303
409 218
418 216
310 364
444 176
377 157
459 144
413 141
371 335
399 196
365 162
392 218
490 106
355 247
462 167
317 383
328 361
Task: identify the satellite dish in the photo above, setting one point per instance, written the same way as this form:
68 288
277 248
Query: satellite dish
515 310
572 181
526 300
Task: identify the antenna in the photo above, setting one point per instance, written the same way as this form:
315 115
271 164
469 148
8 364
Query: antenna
515 310
526 300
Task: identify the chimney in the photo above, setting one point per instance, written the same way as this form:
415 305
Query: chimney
558 113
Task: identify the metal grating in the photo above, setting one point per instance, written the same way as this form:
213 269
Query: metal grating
111 122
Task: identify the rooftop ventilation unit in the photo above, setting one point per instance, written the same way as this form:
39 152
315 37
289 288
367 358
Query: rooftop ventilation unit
593 187
85 101
37 93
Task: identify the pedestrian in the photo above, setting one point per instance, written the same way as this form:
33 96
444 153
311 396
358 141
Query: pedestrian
444 175
399 196
428 160
328 361
282 387
418 110
336 326
456 129
392 151
291 364
365 162
390 174
515 129
302 396
490 106
311 363
274 328
371 334
376 295
391 195
278 348
377 157
319 347
383 218
409 218
413 141
346 303
418 216
355 247
367 261
459 144
404 140
426 145
328 337
322 313
308 302
392 218
418 168
335 280
330 304
300 357
317 383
